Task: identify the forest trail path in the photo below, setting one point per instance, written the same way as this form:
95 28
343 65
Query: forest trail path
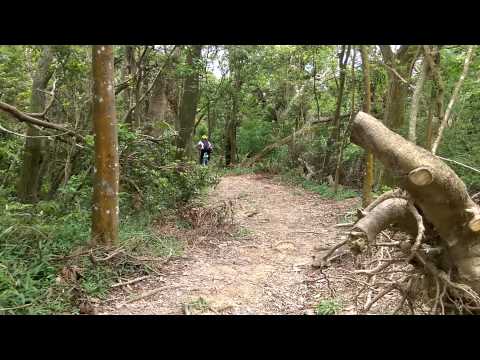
265 268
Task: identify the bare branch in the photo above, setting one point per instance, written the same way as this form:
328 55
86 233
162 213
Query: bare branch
459 163
144 96
23 117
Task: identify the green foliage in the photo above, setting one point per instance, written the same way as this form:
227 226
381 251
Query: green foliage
15 84
33 236
199 305
253 136
238 170
243 233
328 307
30 236
322 189
150 171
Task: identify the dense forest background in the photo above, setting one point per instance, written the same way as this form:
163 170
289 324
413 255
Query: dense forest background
284 110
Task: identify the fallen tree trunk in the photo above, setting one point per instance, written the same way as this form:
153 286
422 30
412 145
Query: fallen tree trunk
434 188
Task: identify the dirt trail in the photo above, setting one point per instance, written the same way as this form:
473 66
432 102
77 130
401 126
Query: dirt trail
267 270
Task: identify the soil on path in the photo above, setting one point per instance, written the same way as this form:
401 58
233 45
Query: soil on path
265 268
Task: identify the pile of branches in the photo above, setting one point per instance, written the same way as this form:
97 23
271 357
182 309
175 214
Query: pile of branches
210 218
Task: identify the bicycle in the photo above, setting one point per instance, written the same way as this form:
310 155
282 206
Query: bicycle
205 159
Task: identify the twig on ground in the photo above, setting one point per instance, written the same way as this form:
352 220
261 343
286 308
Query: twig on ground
324 259
420 232
149 293
344 225
133 281
16 307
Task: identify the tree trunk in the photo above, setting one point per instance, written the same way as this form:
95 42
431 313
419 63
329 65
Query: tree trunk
342 141
430 118
399 70
232 123
231 130
230 142
34 152
188 106
369 161
209 121
412 129
438 90
106 171
130 71
435 189
158 104
334 140
400 67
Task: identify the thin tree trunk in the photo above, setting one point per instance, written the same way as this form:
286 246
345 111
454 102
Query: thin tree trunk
468 58
335 135
432 56
231 125
34 153
343 140
369 160
106 172
209 121
430 116
412 130
131 70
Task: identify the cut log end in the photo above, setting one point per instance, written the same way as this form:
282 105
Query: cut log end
421 176
474 224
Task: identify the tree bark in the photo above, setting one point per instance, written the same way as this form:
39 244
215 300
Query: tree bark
188 106
343 140
130 70
34 151
432 57
158 104
334 141
399 69
369 161
435 189
163 94
105 211
232 123
412 129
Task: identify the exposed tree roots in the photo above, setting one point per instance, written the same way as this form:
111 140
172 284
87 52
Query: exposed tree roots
410 266
432 260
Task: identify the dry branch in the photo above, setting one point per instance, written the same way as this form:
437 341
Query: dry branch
23 117
130 282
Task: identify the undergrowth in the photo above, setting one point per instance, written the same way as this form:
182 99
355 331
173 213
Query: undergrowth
37 240
32 248
322 189
328 307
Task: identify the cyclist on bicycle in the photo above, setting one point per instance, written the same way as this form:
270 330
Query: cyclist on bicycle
205 148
